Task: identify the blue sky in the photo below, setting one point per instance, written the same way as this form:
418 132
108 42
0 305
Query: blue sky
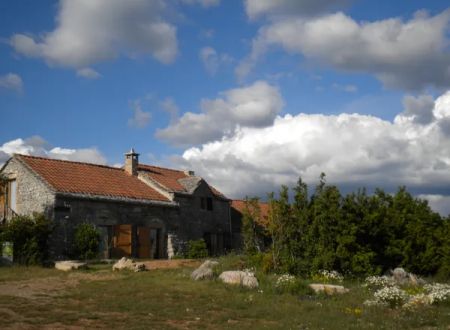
250 94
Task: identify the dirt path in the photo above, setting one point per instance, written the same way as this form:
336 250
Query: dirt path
171 264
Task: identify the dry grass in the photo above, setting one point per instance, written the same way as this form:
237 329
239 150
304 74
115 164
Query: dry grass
168 299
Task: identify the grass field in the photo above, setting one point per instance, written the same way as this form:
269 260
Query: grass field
34 298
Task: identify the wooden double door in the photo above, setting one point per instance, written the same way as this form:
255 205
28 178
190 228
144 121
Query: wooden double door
146 243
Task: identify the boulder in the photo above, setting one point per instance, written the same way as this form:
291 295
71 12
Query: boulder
237 277
129 264
5 262
402 277
205 271
68 265
328 289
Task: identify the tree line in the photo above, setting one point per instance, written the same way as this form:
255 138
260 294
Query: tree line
357 234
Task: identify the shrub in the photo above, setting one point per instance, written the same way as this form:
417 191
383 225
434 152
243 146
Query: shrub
29 236
287 283
86 241
197 249
389 296
326 276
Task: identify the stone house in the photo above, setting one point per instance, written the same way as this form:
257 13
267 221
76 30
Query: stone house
141 211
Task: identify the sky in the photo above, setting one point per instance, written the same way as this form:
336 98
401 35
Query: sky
250 94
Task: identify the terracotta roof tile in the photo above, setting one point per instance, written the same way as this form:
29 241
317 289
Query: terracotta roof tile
85 178
239 205
168 178
165 176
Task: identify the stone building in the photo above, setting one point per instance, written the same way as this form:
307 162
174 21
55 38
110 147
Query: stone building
141 210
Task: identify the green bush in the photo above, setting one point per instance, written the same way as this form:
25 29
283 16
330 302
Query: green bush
29 236
86 241
197 249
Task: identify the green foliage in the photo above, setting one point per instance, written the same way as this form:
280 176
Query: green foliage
29 236
357 234
86 241
197 249
251 231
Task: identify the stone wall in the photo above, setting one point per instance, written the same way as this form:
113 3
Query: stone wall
194 222
32 194
70 212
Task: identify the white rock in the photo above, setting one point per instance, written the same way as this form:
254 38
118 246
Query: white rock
328 288
205 271
68 265
238 277
129 264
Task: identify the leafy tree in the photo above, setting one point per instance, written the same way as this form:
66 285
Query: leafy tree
86 241
251 230
29 236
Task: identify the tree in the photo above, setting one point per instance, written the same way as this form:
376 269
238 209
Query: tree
250 229
86 241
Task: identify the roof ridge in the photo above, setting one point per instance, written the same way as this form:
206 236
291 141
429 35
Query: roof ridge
164 168
68 161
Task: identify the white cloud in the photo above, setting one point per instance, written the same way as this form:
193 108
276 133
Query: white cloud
354 150
11 81
404 54
91 31
250 106
203 3
88 73
37 146
212 60
257 8
140 118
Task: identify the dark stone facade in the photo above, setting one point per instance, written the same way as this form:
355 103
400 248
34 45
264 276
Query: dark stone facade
183 220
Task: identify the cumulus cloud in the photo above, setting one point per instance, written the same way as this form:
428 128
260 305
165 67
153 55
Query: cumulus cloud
255 105
91 31
88 73
354 150
11 81
257 8
409 54
37 146
213 60
140 117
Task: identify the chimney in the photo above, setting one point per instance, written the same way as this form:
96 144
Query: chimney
189 173
131 162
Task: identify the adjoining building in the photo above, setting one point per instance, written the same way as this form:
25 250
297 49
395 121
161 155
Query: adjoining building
141 210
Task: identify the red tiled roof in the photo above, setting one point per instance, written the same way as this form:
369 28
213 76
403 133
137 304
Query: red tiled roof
165 176
239 205
168 178
84 178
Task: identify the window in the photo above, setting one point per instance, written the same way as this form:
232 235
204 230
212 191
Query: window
209 204
206 203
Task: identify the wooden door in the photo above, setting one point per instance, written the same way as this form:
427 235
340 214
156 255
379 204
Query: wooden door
144 243
122 241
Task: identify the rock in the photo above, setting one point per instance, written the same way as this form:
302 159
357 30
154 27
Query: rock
328 289
68 265
205 271
237 277
5 262
400 275
129 264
